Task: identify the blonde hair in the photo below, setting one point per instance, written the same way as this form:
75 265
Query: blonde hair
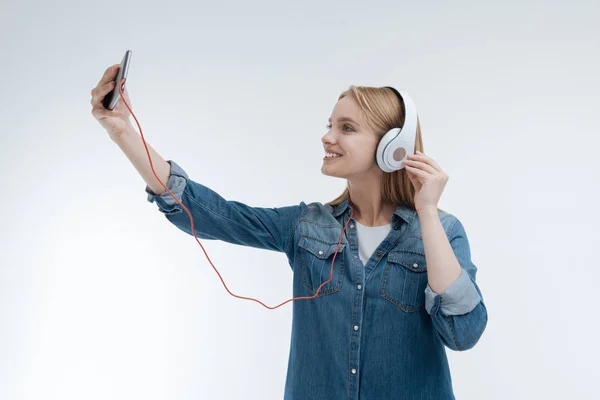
382 111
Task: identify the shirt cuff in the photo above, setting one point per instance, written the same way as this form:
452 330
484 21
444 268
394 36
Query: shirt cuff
176 184
459 298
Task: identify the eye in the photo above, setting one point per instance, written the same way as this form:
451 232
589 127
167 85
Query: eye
328 126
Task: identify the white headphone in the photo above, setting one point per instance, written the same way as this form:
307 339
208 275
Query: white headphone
397 143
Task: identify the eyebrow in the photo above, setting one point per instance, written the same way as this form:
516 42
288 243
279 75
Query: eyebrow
345 119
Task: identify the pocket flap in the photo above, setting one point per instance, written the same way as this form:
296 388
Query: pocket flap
318 248
409 260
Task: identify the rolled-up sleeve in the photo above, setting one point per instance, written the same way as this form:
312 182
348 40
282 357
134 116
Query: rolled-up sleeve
459 298
176 184
459 314
215 218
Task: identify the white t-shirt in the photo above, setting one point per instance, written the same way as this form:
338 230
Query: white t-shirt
369 238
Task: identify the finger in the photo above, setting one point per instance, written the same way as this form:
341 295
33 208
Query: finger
424 157
109 74
100 113
98 93
421 165
416 171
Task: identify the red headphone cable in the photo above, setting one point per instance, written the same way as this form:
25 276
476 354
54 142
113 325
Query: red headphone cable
194 233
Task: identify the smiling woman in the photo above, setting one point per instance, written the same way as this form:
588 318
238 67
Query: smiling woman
427 278
385 227
417 258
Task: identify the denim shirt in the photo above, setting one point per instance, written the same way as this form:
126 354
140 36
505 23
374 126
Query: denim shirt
377 330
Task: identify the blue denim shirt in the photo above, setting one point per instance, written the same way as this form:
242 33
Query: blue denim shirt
376 331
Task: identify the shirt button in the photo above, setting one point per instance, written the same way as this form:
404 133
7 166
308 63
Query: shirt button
359 287
415 265
353 371
351 226
320 251
355 256
355 327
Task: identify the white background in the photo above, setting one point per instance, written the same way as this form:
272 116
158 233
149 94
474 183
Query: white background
102 298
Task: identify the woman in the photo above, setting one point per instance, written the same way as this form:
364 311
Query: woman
402 287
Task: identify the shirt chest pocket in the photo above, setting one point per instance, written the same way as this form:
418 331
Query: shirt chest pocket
316 257
404 280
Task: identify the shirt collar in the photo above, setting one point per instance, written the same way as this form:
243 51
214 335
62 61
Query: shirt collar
403 212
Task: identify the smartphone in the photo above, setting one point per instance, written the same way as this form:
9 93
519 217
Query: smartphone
111 99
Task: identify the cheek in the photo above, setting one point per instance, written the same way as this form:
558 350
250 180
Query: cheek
364 151
362 158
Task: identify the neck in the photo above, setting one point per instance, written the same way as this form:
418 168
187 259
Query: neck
369 207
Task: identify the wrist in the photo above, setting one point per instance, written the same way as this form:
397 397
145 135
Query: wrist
426 211
125 134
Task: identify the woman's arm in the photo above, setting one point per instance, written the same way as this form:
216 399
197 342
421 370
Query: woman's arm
442 266
133 147
214 217
452 296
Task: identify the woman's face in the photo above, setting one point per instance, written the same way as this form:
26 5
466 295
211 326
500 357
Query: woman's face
349 136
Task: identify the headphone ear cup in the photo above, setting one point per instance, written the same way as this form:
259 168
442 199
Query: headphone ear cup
384 150
399 142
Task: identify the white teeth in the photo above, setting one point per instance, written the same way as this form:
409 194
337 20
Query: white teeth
332 155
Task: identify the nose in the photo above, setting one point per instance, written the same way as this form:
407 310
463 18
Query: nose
326 138
327 142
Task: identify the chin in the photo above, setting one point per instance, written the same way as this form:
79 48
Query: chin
325 171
